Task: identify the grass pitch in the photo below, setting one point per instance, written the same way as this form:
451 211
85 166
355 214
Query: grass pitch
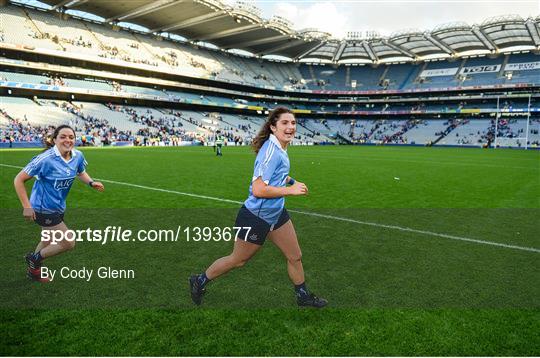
421 251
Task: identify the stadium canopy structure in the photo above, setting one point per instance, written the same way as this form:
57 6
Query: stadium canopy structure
242 27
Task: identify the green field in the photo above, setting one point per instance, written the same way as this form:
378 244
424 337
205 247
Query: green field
420 251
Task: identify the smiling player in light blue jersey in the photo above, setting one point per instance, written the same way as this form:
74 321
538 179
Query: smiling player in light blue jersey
272 167
264 211
55 170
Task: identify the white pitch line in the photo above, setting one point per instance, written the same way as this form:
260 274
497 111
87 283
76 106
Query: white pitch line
331 217
11 166
416 231
170 191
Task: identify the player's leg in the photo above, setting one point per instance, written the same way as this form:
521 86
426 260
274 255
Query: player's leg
64 240
241 254
59 241
53 223
284 237
33 262
247 242
42 244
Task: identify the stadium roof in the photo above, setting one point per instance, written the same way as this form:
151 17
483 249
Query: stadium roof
242 27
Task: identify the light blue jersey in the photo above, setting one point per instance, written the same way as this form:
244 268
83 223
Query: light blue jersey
54 176
272 165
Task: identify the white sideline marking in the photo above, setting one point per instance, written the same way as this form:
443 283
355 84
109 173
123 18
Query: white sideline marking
331 217
423 232
170 191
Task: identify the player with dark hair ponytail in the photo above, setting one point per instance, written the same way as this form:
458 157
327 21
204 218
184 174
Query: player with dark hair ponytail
48 140
263 213
54 169
266 130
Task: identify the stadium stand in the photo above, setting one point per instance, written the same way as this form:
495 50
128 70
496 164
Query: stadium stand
33 113
43 30
378 110
118 119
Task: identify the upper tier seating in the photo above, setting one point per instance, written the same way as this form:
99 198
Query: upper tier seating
47 31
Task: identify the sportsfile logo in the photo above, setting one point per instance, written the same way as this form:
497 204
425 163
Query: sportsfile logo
61 184
121 234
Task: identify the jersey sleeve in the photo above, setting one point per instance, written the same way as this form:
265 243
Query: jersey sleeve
81 168
266 164
35 166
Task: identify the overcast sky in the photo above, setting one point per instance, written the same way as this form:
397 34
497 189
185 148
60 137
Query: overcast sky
387 16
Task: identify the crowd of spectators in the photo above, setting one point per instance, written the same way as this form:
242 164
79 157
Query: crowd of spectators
163 130
20 130
451 125
117 87
60 40
55 81
398 137
95 129
169 57
114 53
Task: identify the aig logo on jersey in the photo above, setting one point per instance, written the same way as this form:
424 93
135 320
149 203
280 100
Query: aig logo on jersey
61 184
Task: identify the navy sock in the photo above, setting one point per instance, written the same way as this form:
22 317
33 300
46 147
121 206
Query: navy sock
203 279
37 256
301 290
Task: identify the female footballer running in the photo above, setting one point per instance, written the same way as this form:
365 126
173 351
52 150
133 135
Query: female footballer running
54 169
264 211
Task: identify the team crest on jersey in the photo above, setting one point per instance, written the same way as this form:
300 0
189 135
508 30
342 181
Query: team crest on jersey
61 184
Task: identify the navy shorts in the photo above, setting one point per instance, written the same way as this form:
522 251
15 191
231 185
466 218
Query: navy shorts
259 228
47 220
